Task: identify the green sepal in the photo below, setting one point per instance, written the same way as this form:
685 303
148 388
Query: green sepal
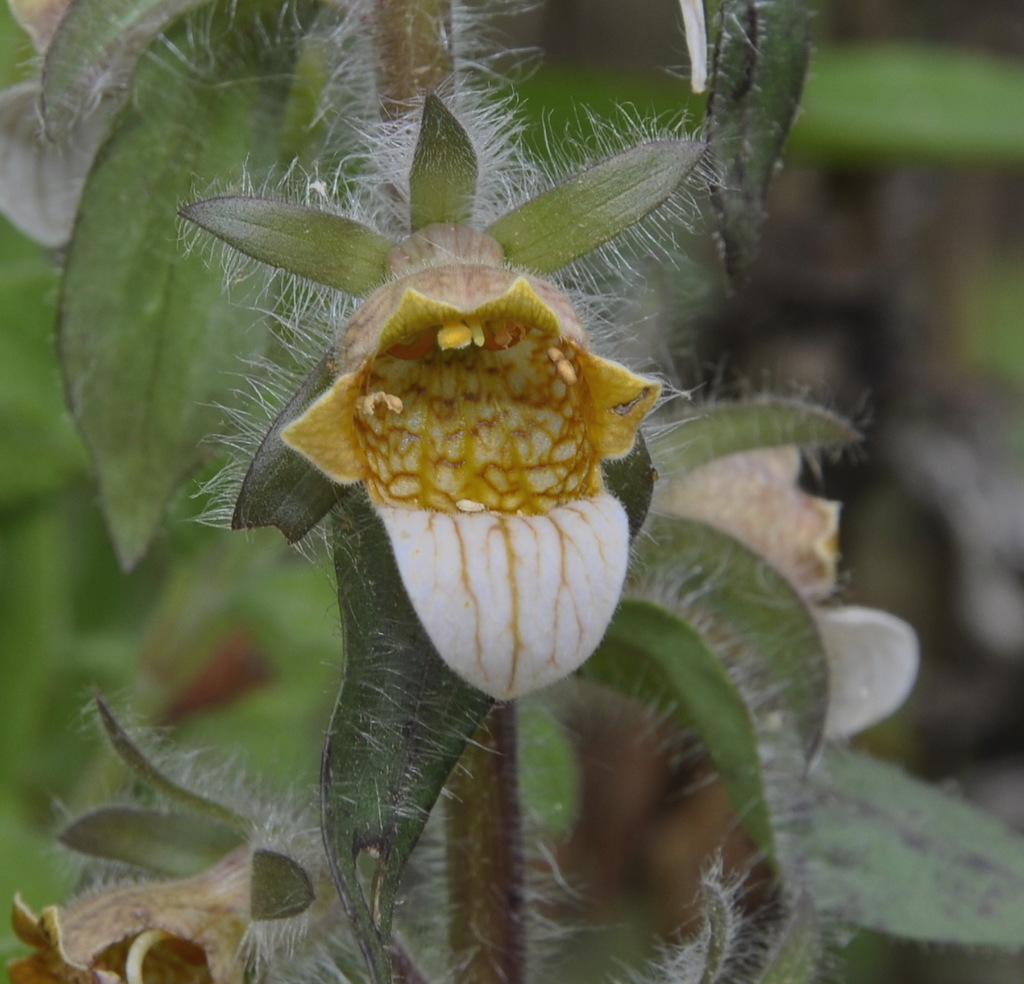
658 657
442 181
728 428
280 886
174 844
760 61
400 724
595 205
281 488
323 247
146 772
766 625
631 480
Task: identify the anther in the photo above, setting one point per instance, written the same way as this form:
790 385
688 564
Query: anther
565 372
454 336
367 405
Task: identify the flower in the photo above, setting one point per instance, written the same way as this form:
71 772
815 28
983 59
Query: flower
465 395
754 496
469 404
187 930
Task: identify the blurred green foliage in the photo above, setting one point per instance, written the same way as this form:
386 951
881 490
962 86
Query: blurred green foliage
71 620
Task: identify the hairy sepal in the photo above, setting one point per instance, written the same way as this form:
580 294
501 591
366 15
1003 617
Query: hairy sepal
443 178
596 205
323 247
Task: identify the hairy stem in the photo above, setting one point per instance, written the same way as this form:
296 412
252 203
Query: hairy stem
485 857
414 54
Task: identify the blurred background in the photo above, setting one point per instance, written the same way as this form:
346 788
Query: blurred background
890 284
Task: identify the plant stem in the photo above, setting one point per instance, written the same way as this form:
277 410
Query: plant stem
414 53
485 857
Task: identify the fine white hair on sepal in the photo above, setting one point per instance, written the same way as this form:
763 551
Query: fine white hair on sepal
513 603
872 658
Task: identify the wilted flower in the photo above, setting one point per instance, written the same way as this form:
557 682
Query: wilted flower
754 496
468 402
186 931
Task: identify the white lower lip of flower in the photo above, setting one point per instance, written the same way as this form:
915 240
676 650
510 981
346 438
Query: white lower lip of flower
872 658
513 603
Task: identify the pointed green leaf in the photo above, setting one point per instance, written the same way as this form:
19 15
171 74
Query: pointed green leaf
97 36
594 206
173 844
321 246
881 104
280 886
631 480
147 772
728 428
442 181
755 612
758 72
148 340
797 954
659 658
549 780
894 854
281 487
400 724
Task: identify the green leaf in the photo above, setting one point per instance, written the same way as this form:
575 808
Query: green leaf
549 781
796 956
400 724
39 450
97 36
759 65
657 657
174 844
893 854
728 428
280 886
147 339
442 181
631 480
321 246
718 582
911 103
594 206
281 487
139 764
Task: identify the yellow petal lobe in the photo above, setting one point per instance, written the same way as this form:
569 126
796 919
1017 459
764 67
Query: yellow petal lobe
325 433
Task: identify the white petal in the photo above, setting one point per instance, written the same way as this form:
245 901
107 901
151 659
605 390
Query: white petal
872 659
513 603
41 180
696 42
